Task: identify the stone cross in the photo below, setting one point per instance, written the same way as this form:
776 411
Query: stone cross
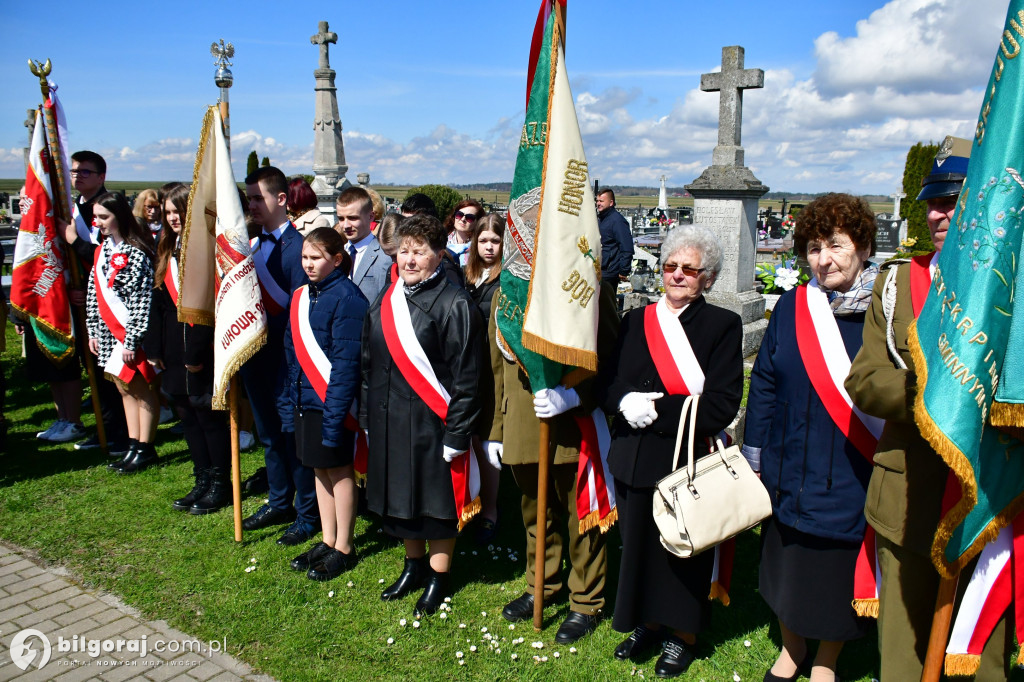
323 38
731 81
896 198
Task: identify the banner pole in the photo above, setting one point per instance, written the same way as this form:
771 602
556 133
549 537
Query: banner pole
939 637
236 469
542 523
62 212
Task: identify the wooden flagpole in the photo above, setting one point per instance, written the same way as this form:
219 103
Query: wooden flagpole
939 637
62 212
544 455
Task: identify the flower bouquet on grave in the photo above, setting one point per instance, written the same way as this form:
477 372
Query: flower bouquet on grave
779 278
788 224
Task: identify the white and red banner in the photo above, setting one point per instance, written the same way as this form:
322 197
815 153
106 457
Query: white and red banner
317 368
217 283
412 361
595 494
39 292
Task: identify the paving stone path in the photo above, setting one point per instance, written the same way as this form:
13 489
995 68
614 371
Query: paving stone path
49 601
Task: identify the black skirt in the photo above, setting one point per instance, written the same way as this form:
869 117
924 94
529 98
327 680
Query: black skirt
309 442
808 583
655 586
422 528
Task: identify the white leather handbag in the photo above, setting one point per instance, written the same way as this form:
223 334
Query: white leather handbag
709 501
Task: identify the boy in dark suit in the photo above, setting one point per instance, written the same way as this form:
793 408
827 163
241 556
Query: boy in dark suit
277 253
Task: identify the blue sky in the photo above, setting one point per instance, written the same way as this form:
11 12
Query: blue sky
433 92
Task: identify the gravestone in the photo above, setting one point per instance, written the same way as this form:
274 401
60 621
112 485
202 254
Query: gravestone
329 165
887 235
725 199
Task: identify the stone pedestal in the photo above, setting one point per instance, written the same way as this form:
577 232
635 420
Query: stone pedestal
725 200
329 165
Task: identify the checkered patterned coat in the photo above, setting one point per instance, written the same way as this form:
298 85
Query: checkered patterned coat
133 285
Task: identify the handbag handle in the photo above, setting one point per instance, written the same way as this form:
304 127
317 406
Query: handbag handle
689 410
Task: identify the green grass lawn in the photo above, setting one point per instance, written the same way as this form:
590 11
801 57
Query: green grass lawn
118 533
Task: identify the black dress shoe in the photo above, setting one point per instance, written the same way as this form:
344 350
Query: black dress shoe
411 579
257 483
520 608
144 457
576 626
267 516
804 668
307 560
641 640
674 660
433 595
296 534
331 565
124 457
217 496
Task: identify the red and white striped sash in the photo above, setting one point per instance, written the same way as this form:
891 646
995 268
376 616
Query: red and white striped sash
87 233
171 279
996 583
414 365
595 496
315 364
114 314
275 299
823 354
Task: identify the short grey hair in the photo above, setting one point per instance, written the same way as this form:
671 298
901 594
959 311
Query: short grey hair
699 237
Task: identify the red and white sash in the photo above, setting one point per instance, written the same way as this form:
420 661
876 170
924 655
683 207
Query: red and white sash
595 496
681 374
996 583
315 364
920 280
823 354
414 365
114 314
275 299
87 233
171 279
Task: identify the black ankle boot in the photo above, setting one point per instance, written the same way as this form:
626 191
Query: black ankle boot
120 463
217 496
411 579
433 595
198 490
145 455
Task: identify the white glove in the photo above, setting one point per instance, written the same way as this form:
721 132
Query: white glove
638 408
551 402
494 450
451 453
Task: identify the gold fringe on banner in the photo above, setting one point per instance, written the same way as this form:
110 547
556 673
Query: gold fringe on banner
962 665
866 608
594 520
193 315
220 401
468 512
719 592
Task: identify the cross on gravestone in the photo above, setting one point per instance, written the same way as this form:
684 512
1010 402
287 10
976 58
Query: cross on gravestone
730 82
896 198
323 38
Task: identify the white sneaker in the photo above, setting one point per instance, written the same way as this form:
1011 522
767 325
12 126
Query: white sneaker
245 440
54 428
166 414
68 433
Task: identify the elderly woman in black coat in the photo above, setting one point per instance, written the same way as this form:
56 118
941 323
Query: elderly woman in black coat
681 345
422 362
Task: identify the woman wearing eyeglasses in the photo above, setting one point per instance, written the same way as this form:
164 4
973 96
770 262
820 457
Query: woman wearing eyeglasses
812 447
681 345
460 228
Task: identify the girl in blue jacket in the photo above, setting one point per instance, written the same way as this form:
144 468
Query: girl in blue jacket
322 347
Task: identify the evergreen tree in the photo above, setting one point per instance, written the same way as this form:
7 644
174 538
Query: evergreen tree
265 162
919 163
252 163
444 198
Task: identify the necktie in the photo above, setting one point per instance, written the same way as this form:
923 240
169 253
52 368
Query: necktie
352 252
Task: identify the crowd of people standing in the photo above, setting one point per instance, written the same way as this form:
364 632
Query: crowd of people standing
384 362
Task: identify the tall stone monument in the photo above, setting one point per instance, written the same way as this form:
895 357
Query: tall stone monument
725 199
329 165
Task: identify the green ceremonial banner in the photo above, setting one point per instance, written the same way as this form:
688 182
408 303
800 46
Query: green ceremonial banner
547 307
969 339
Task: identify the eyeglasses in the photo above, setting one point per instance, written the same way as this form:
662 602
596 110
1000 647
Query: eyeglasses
84 172
669 268
468 217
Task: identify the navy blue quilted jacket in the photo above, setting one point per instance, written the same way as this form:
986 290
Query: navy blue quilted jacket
336 312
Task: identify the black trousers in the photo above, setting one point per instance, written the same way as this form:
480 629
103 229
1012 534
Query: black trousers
207 432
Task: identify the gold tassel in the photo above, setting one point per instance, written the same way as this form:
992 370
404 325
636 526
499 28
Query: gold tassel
468 512
360 479
962 665
719 592
866 608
